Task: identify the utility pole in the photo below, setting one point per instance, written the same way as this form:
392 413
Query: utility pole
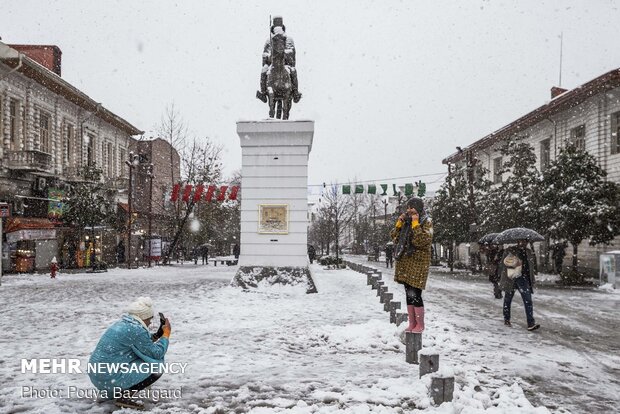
131 163
450 194
471 163
150 175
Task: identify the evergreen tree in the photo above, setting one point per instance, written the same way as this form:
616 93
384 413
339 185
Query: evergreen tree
88 205
515 202
450 212
580 204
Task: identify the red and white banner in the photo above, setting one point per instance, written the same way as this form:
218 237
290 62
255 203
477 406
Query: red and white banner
201 192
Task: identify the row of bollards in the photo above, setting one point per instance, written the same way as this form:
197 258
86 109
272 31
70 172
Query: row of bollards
442 386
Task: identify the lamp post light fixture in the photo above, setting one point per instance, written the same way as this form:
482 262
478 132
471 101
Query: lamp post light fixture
132 162
149 173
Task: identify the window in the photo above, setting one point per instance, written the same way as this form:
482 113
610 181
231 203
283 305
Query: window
578 137
104 160
90 149
497 168
615 133
24 124
13 124
110 159
545 153
122 157
69 136
44 132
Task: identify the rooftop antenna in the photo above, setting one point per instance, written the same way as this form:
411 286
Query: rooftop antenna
561 41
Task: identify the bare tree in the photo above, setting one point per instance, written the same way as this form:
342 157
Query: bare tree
173 129
201 164
337 208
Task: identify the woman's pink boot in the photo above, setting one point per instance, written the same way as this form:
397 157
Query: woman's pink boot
419 319
410 318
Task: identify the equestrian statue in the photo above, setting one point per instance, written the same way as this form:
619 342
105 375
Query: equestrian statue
278 78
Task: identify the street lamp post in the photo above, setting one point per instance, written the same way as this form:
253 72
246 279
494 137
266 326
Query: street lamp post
131 163
149 173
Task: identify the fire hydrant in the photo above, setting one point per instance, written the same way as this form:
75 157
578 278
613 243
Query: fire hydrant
53 268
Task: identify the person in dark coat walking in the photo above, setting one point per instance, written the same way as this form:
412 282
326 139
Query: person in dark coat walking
195 252
557 254
493 254
311 253
205 255
517 271
389 255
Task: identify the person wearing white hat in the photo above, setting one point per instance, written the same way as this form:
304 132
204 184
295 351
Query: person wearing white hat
128 342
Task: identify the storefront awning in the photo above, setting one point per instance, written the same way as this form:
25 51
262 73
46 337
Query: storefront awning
27 223
26 228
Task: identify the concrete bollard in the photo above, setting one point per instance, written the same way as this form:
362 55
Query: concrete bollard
375 282
400 318
428 363
442 389
395 305
384 298
392 316
368 279
413 344
387 302
380 289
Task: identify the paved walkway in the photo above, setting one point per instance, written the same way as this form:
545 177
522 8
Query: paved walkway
573 361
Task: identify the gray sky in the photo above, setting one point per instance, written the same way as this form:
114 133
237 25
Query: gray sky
393 86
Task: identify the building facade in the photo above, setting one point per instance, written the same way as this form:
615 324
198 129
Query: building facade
587 116
153 202
49 129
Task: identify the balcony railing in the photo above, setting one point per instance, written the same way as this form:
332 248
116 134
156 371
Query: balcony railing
30 161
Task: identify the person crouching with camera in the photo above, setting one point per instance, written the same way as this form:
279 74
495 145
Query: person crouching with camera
128 345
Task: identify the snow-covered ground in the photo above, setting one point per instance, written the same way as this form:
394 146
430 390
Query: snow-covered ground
271 350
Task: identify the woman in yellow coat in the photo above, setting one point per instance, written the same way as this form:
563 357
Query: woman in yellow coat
413 236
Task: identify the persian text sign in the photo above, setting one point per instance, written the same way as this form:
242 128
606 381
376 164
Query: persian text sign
32 234
273 218
155 248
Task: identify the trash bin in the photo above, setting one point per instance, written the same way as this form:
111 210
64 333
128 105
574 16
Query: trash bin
609 268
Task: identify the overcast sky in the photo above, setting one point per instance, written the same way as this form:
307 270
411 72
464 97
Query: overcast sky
393 86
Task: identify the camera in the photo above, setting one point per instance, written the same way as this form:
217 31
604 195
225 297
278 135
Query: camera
160 331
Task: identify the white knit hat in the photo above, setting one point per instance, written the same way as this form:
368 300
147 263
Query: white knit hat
142 308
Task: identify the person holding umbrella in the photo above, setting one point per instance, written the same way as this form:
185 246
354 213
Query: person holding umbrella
517 272
493 253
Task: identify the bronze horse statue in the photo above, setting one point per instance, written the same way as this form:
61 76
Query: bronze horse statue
279 80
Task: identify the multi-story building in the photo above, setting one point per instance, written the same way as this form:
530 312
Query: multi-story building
49 129
588 116
166 172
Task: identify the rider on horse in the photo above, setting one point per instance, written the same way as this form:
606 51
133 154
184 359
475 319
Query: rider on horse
278 28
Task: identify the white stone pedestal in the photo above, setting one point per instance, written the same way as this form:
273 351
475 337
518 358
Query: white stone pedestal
274 198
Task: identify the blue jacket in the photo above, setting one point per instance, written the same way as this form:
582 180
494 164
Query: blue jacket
128 342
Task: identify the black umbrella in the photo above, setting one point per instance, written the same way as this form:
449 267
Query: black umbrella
488 238
516 234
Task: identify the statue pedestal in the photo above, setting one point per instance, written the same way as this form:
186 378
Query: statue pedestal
274 202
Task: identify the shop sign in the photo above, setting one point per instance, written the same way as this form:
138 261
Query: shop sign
31 234
155 247
5 210
55 205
